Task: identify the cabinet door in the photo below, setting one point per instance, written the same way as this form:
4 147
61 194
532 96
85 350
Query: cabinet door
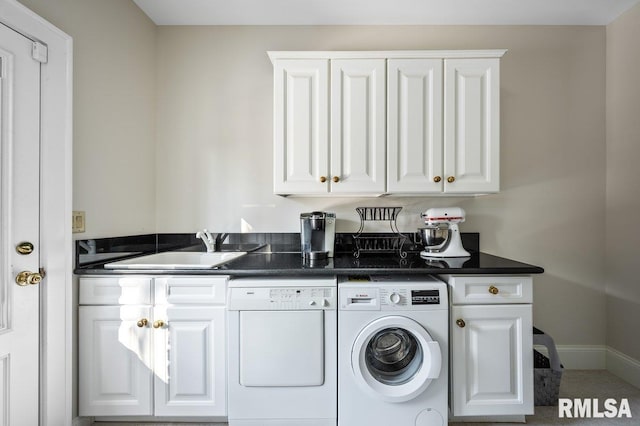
472 125
492 360
414 115
301 126
115 370
358 126
189 350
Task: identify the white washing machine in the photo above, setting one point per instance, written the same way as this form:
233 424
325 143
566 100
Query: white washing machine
392 351
282 354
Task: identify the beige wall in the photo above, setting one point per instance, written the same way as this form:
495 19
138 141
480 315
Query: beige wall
114 112
623 188
214 152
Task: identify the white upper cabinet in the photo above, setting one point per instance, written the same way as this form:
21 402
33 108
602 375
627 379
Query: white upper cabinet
415 125
358 130
301 126
472 125
389 122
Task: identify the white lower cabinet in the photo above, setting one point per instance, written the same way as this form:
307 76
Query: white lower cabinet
137 358
115 372
491 346
189 365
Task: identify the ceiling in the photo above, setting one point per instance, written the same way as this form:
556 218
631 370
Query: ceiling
384 12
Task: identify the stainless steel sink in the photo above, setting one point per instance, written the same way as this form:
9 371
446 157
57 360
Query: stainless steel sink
176 260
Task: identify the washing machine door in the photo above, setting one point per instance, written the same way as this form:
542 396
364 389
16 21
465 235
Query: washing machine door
394 358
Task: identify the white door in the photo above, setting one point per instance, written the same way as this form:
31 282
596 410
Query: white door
358 126
414 126
19 210
492 362
472 125
301 126
189 367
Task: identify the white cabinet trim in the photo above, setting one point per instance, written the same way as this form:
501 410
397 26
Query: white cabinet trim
386 54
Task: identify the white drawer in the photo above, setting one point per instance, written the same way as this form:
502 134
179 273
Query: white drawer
191 290
467 290
115 290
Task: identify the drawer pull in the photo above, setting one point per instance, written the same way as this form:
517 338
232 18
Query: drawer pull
460 323
142 323
158 324
493 289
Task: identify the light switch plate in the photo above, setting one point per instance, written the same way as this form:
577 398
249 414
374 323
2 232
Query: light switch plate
77 222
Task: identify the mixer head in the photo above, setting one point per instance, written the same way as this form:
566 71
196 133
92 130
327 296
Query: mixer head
443 215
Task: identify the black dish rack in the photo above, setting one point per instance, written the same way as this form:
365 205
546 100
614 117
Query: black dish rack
379 244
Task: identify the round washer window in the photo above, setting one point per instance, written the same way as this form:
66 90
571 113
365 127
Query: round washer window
393 356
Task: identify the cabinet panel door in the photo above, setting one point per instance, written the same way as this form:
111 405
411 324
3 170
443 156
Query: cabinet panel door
301 126
190 361
472 125
358 125
492 360
115 370
414 125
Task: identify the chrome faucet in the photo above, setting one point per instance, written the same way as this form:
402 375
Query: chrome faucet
207 239
212 243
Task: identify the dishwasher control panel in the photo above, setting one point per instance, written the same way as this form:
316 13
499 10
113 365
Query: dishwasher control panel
281 298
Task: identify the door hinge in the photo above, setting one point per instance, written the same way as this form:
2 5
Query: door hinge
39 52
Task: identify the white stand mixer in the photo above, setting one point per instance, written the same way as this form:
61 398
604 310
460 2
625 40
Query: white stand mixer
441 236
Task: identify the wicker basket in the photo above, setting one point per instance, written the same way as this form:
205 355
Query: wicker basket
547 372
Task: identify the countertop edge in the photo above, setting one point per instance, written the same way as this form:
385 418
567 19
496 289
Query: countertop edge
511 267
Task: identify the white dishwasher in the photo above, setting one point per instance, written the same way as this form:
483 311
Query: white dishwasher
282 351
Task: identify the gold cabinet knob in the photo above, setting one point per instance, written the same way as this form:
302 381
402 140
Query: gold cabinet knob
451 179
158 324
29 278
142 322
336 179
437 179
493 289
323 179
460 323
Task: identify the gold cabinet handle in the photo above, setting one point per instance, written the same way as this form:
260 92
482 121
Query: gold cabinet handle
451 179
460 323
29 278
336 179
158 324
493 289
142 322
323 179
437 179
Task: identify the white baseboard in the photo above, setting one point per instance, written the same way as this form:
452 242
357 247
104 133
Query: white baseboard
580 357
623 366
596 357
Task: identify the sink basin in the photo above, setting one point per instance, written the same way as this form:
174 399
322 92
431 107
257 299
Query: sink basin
176 260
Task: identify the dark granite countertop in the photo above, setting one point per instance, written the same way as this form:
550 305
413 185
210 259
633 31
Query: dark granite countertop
271 264
278 257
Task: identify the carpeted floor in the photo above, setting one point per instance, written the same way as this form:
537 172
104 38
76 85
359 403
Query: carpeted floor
575 384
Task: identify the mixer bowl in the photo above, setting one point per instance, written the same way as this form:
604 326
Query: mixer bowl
435 237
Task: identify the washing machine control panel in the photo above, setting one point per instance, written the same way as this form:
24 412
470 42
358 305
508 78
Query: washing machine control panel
409 297
392 298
